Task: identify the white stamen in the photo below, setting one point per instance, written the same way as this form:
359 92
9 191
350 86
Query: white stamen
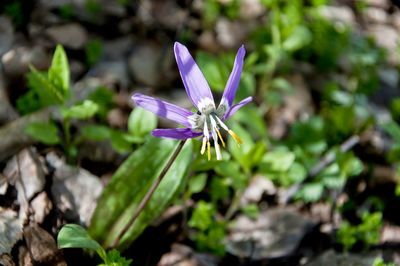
203 146
217 150
215 137
222 123
205 130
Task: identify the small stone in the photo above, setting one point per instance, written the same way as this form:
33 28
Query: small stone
10 229
259 185
7 112
6 260
376 15
390 233
41 206
6 34
112 8
169 14
112 73
332 258
181 255
53 4
395 20
27 166
150 64
208 42
384 4
117 118
42 246
251 9
117 49
230 34
24 258
75 191
390 77
388 38
341 14
17 60
385 36
70 35
77 68
165 13
85 86
275 233
3 184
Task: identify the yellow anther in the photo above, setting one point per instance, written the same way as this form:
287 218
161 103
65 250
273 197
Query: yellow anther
203 146
209 150
220 138
237 139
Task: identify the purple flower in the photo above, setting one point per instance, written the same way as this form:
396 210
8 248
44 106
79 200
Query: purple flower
208 121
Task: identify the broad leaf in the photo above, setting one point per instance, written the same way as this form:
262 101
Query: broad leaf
129 185
96 132
46 133
47 92
59 71
85 110
75 236
141 122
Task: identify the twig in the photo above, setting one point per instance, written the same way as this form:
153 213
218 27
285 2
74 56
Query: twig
148 195
325 161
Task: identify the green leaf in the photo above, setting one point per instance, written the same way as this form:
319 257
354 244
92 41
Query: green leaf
219 188
47 92
104 99
114 258
75 236
202 217
129 185
215 69
96 132
241 154
279 160
393 129
197 183
141 122
297 173
28 103
93 50
119 141
46 133
59 72
85 110
311 192
251 210
300 37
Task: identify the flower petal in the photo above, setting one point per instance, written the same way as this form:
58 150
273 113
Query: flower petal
193 79
234 79
164 109
236 107
176 133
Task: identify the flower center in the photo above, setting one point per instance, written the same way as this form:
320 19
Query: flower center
209 120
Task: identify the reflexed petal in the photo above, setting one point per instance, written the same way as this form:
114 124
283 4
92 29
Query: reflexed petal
234 78
236 107
176 133
193 79
164 109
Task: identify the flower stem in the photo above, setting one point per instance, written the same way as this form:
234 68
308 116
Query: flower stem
148 195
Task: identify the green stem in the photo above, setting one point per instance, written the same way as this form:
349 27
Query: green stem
148 195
